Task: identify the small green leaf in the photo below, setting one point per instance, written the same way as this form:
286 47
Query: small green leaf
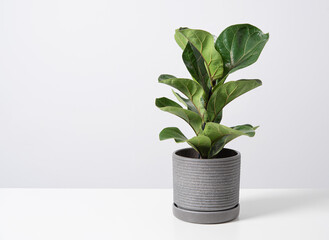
218 117
203 42
187 103
225 93
247 129
201 144
172 132
165 76
217 146
240 46
165 102
191 89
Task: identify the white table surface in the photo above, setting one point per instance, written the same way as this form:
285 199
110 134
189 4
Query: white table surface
146 214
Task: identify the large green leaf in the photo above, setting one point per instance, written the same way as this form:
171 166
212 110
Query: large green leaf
196 66
225 93
203 42
201 144
221 135
172 132
191 89
240 46
192 118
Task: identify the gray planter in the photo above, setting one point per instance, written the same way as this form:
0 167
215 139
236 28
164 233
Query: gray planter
206 190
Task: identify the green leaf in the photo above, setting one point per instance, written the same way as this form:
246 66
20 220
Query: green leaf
221 135
217 146
172 132
180 39
218 117
191 89
170 106
216 131
187 103
225 93
165 102
203 42
201 144
240 46
192 118
165 76
195 65
247 129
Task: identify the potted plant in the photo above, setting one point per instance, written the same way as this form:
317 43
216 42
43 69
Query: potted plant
206 177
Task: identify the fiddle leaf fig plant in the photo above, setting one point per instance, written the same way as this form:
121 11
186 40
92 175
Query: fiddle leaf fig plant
209 62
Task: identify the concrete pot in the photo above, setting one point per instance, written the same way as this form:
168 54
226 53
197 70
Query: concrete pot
206 190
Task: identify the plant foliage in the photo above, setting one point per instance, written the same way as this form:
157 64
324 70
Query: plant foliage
209 62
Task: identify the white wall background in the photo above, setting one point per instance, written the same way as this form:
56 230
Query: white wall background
78 81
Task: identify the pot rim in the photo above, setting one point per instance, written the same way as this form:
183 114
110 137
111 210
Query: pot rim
238 155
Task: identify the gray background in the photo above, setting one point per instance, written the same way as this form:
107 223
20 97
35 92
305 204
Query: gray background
78 81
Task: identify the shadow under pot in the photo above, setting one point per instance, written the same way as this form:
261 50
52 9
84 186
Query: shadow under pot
206 190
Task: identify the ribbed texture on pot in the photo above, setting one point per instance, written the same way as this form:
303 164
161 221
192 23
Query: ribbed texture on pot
206 184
